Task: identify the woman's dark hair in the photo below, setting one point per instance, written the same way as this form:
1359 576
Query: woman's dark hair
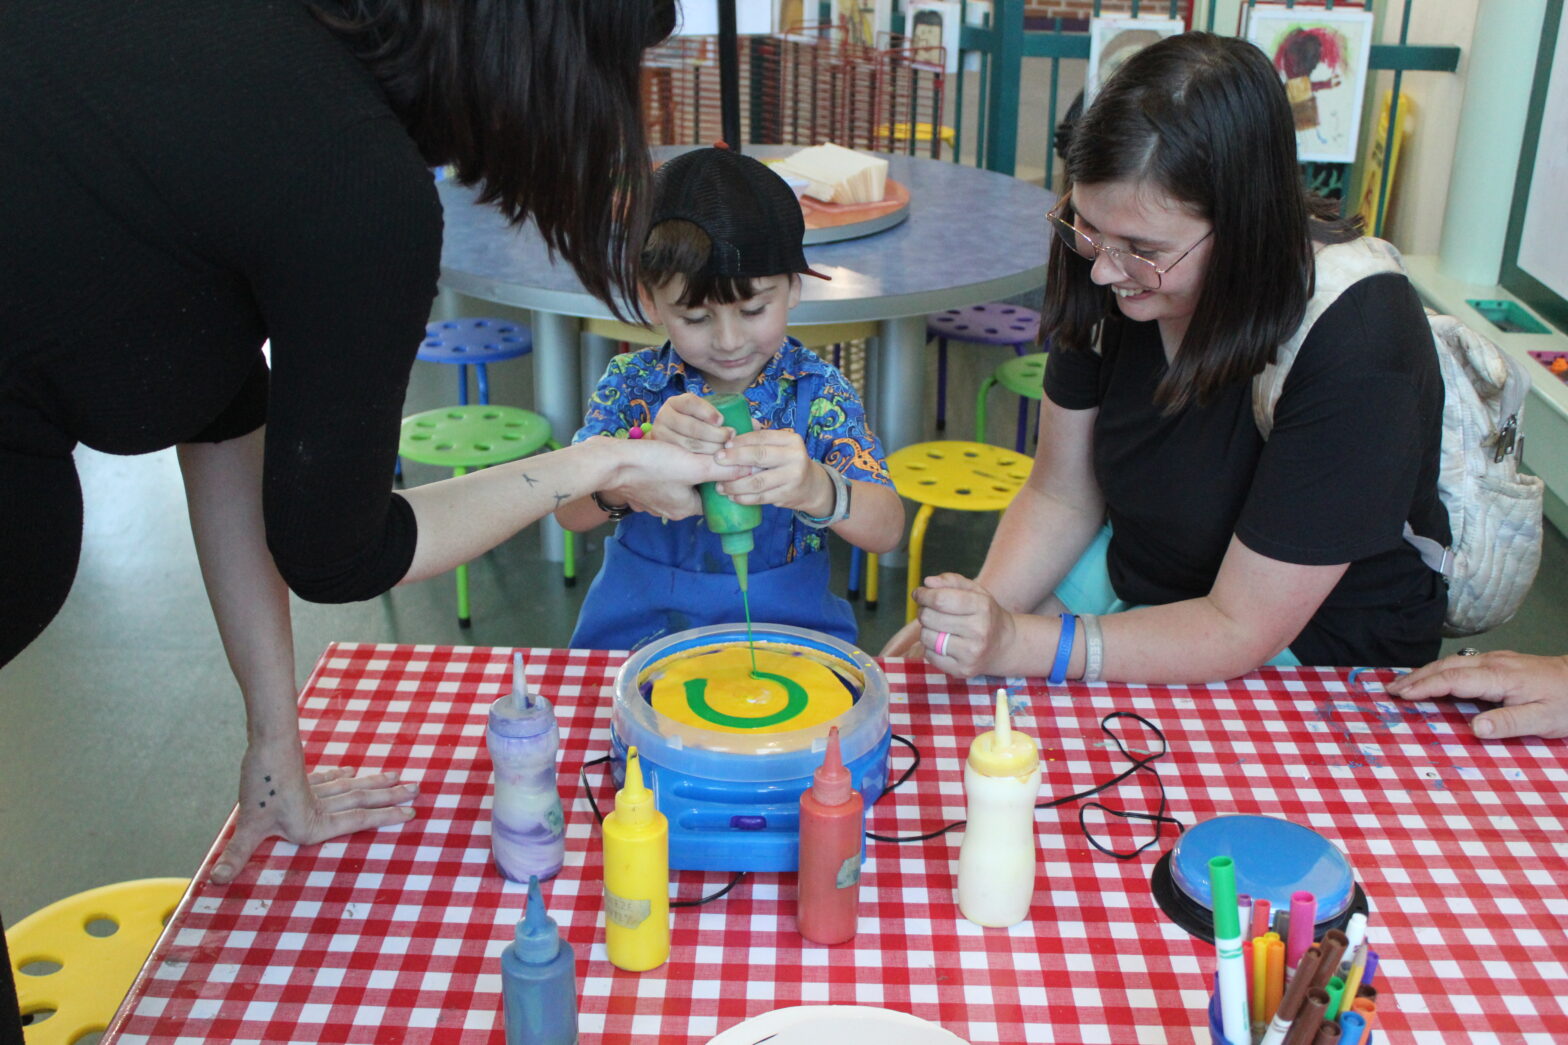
1204 120
680 248
535 101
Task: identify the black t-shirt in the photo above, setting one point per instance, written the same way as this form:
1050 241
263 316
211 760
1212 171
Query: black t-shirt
1353 455
184 179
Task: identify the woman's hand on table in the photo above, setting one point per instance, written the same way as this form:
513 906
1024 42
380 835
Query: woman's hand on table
1532 691
278 799
976 627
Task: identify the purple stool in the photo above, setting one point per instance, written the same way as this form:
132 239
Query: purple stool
476 342
990 324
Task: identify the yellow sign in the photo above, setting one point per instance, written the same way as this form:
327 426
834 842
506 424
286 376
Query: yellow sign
1372 176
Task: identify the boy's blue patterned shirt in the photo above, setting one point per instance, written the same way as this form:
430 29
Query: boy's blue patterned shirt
835 431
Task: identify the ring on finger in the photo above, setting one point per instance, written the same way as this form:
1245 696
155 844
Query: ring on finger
939 647
1469 651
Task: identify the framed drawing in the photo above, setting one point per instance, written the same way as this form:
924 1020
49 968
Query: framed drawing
1114 40
1321 56
932 27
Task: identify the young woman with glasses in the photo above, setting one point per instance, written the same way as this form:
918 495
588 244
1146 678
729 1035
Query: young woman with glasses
1184 253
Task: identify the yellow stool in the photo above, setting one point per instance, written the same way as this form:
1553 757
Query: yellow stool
900 134
95 971
969 477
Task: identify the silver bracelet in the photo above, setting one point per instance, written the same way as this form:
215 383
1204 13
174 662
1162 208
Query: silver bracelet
1093 647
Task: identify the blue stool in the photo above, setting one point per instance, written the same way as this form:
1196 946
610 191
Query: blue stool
990 324
476 342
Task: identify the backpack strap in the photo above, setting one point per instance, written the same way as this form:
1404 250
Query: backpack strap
1339 266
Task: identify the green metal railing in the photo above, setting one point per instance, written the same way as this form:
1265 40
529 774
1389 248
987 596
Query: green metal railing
1004 44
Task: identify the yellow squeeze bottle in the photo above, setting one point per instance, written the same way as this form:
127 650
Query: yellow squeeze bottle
636 876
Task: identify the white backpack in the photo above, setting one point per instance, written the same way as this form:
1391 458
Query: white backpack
1493 511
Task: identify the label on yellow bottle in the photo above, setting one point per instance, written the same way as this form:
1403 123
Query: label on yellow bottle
848 873
625 912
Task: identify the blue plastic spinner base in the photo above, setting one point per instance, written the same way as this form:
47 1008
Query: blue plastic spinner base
740 825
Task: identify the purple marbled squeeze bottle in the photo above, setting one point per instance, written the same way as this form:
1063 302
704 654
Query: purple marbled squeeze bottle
527 830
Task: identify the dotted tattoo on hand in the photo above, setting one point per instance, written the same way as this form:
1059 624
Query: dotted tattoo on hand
267 780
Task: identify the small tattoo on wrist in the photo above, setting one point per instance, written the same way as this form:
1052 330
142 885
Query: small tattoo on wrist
530 480
561 498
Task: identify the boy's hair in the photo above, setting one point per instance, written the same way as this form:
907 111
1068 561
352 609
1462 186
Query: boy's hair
537 102
1204 121
721 220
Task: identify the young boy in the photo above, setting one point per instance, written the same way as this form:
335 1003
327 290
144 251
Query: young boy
720 271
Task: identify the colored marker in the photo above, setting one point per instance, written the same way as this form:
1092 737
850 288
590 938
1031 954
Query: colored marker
1260 980
1355 933
1279 924
1295 993
1328 1034
1244 915
1276 981
1367 1010
1333 945
1335 988
1352 1027
1303 920
1366 977
1260 918
1308 1021
1358 969
1227 941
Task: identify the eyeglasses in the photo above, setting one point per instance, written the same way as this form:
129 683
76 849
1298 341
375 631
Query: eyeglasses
1135 267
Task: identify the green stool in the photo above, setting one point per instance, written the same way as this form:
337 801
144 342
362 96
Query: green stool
477 436
1025 376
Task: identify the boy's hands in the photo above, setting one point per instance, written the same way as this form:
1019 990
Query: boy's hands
783 473
692 423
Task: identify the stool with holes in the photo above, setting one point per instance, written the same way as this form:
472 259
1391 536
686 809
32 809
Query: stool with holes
75 960
1024 376
465 437
968 477
992 324
474 342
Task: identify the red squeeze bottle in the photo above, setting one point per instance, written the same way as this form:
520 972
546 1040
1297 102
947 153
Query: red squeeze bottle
832 819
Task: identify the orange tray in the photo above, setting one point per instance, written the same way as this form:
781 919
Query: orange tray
830 222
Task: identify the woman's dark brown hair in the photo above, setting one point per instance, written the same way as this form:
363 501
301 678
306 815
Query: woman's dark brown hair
1204 120
535 101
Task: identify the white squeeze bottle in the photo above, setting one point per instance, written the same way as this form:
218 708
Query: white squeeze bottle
996 861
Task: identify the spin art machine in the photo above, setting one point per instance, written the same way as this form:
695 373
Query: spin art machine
729 778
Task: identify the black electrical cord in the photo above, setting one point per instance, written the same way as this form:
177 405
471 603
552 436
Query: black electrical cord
1157 817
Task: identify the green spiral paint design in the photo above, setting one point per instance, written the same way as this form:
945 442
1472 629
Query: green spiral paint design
795 702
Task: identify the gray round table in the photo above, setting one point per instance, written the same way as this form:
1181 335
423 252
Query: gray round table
971 236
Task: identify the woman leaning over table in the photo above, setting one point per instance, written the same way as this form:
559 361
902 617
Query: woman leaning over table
189 178
1185 254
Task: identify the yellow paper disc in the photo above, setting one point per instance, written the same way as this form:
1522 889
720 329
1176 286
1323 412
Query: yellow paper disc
714 689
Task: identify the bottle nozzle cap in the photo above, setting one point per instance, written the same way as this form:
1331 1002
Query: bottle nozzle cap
520 695
538 938
1003 751
633 802
831 783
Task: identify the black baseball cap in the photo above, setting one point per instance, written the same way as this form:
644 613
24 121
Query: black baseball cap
748 211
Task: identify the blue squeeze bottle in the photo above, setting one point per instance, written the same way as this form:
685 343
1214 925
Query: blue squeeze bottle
527 831
539 980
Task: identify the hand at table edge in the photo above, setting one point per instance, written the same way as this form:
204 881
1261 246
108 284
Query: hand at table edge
278 799
1532 691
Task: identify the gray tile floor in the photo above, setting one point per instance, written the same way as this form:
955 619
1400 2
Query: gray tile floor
123 728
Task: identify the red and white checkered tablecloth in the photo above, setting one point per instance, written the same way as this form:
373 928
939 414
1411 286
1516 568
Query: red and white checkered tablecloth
395 935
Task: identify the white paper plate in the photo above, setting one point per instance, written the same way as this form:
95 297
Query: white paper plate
837 1025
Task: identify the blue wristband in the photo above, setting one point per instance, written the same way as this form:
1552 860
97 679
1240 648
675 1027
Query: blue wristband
1064 650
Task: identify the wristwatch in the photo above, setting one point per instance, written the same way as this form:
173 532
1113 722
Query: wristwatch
841 493
614 511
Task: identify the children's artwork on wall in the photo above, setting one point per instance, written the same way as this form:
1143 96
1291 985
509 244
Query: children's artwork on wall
1114 40
1321 56
933 27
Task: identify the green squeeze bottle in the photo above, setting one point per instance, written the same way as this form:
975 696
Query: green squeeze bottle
733 522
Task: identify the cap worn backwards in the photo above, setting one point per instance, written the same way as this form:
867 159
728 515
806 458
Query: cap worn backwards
748 212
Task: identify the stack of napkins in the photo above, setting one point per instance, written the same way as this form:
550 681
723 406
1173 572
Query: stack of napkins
837 174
